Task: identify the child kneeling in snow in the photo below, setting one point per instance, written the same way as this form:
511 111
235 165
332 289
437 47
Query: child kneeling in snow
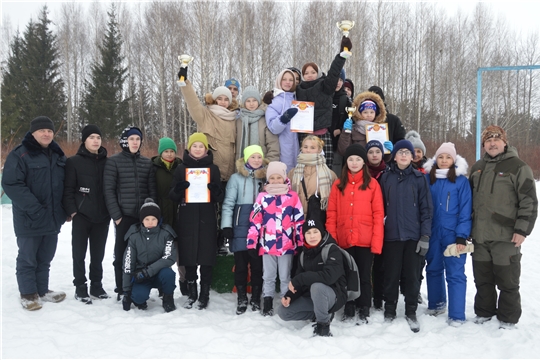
148 258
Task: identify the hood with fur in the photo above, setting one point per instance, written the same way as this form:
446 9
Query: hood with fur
461 165
368 95
259 173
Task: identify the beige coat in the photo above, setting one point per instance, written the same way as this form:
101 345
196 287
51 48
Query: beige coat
268 141
310 178
221 133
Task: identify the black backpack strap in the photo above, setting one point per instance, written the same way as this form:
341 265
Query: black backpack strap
304 188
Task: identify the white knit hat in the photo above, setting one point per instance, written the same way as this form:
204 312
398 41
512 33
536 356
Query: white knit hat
447 148
222 90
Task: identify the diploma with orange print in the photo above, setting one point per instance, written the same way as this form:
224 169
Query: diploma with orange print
198 179
303 120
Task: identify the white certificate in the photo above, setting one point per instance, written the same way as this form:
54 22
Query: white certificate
198 179
303 120
378 132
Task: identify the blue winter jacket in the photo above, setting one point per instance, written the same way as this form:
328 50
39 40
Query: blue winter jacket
34 181
407 204
288 141
452 202
240 195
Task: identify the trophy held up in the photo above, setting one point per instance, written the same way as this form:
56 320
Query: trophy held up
184 61
345 26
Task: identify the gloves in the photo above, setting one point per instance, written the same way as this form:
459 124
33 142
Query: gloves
288 115
348 125
423 245
141 275
345 43
126 301
228 233
451 250
268 97
388 145
181 186
215 189
182 72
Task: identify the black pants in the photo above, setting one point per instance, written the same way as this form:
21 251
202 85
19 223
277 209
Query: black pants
82 233
364 260
402 262
120 247
378 277
241 261
206 274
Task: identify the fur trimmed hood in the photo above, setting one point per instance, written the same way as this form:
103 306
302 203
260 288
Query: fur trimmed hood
368 95
461 165
259 174
33 147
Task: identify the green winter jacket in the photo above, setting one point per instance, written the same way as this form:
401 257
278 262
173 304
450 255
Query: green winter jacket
504 197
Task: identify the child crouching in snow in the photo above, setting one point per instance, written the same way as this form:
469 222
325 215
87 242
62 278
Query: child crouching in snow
276 230
148 258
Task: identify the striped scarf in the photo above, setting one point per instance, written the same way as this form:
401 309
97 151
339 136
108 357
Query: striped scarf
324 176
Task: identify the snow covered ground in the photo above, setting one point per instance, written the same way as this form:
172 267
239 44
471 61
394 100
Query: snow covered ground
103 330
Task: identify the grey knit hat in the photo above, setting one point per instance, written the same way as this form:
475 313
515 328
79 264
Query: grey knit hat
416 141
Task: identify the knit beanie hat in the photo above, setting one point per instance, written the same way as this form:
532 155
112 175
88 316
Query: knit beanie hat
314 221
41 122
276 167
494 131
166 143
252 149
447 148
356 149
89 130
402 144
197 137
149 208
296 70
342 75
368 104
374 143
233 81
377 90
349 84
416 141
130 130
251 92
222 90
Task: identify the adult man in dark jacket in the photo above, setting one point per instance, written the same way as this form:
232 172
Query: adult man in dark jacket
33 178
84 200
128 179
505 208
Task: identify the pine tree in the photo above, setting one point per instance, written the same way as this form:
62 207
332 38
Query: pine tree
104 102
32 84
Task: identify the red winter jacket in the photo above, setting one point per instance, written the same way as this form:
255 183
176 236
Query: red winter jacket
356 218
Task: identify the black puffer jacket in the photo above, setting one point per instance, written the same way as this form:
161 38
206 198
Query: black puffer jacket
128 179
321 92
314 270
83 186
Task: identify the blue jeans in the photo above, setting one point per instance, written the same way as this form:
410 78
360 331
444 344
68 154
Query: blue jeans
33 263
165 279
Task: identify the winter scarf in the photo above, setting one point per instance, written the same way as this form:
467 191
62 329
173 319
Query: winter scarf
360 126
250 126
441 173
324 175
277 189
375 171
222 112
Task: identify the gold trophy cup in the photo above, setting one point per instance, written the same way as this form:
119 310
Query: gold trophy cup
350 111
184 61
345 26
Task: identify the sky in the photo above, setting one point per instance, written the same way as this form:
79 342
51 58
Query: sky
522 14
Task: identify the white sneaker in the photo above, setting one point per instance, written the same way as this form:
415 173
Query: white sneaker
481 319
31 302
507 326
54 296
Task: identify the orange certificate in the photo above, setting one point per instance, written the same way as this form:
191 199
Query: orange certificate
198 179
303 120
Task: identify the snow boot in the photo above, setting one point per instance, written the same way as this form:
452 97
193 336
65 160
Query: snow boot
322 329
410 316
242 299
348 313
268 306
192 294
31 302
168 302
53 296
183 287
389 311
363 314
142 306
377 304
97 292
204 297
481 319
255 301
81 294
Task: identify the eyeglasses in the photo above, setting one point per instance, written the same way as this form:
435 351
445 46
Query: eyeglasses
404 152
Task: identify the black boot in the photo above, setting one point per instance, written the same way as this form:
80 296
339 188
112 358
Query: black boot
377 304
204 297
389 311
410 316
183 287
81 294
97 291
255 301
348 313
322 329
363 314
192 294
168 302
242 299
268 306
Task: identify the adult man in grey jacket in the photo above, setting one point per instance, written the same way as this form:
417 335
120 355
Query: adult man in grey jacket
505 208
